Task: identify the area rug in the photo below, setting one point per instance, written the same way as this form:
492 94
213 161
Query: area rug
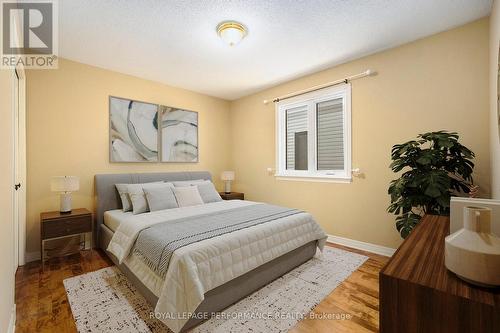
104 300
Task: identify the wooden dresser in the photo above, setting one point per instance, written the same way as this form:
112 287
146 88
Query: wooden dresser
418 293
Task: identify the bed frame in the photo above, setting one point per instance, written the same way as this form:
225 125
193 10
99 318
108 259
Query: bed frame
217 299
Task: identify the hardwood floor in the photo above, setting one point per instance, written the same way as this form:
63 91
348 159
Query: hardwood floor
354 301
42 305
41 302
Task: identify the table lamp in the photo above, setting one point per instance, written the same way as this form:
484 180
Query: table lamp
227 177
65 185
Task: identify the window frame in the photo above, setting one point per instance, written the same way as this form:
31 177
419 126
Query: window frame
310 100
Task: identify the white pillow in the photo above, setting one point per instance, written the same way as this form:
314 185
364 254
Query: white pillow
125 197
138 198
160 198
208 192
123 192
187 196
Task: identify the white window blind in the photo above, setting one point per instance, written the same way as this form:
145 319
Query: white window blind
330 133
296 124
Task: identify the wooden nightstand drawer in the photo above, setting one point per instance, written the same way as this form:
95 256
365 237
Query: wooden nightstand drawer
68 226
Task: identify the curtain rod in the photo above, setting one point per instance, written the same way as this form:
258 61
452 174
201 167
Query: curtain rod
346 80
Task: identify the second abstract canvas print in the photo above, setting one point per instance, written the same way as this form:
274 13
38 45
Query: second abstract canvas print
179 135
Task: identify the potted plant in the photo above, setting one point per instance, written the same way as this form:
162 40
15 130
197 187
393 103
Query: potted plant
435 166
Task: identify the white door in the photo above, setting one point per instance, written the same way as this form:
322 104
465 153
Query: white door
19 169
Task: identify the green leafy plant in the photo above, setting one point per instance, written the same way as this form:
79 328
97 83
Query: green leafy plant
435 166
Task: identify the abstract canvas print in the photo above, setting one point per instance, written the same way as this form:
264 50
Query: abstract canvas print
133 131
179 135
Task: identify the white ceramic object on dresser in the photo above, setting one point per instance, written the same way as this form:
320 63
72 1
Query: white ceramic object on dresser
457 212
473 252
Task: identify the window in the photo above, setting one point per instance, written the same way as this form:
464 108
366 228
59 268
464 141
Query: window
314 135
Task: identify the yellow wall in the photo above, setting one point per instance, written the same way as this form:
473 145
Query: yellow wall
494 131
6 199
67 131
440 82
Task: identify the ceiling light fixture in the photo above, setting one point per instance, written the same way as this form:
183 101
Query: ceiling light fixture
231 32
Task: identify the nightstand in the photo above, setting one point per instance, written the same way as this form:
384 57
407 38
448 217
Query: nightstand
56 225
232 196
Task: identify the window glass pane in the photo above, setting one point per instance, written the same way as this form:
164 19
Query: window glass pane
330 135
296 138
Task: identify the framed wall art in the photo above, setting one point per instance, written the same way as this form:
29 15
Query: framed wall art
179 135
133 131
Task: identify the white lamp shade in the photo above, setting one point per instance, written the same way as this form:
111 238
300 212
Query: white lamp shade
227 175
65 184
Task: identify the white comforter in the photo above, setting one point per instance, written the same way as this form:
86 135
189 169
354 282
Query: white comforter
205 265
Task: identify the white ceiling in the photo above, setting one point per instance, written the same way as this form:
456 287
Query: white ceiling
175 42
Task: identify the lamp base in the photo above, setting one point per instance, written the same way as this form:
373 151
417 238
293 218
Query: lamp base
227 187
65 205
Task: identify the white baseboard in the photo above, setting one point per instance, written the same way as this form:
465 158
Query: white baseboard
355 244
32 256
12 321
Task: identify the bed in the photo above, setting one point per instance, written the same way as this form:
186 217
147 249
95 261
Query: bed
209 275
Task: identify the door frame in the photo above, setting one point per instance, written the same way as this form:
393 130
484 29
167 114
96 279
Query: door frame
19 78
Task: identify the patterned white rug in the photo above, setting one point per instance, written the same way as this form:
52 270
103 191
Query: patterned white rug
104 300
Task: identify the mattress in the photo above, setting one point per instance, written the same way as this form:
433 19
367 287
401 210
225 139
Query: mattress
113 218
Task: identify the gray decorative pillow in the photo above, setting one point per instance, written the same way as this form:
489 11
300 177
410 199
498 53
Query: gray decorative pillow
187 196
138 198
160 198
189 182
124 197
208 192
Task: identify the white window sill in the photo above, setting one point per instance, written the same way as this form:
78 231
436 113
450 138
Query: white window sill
316 179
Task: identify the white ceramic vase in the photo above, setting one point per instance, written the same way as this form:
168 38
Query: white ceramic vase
473 253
